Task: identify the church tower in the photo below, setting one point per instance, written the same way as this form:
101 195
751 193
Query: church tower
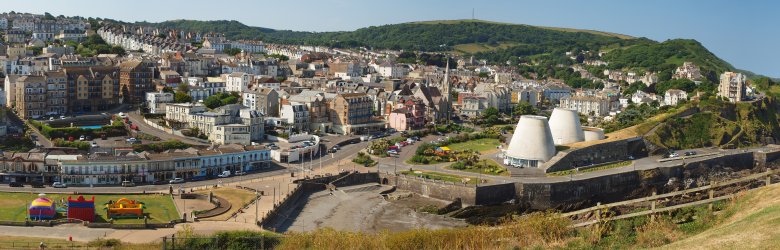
446 106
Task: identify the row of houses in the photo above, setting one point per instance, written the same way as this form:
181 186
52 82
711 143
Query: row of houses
122 164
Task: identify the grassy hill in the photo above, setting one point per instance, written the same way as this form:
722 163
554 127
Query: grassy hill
494 41
424 36
753 225
721 124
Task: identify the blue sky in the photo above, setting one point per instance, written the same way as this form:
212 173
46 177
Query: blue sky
743 33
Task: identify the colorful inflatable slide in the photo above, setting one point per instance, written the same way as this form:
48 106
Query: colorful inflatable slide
42 208
124 208
81 209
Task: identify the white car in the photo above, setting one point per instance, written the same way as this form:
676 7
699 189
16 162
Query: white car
224 174
122 115
176 180
132 140
81 138
58 185
93 144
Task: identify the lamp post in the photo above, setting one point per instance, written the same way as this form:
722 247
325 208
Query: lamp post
257 197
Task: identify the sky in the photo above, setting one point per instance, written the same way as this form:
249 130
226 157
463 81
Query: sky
744 33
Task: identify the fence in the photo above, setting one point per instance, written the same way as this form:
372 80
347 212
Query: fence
653 199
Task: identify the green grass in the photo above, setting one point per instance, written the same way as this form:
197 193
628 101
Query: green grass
593 169
440 176
480 145
502 171
159 208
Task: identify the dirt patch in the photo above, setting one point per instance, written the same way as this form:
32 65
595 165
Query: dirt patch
362 208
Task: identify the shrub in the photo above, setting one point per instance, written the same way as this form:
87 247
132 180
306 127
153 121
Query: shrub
101 243
657 233
81 145
160 146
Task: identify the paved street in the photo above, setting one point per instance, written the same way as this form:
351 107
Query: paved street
138 120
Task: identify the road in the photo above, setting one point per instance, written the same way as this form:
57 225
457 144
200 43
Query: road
138 120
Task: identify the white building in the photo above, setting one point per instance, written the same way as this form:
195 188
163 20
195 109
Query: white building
587 105
732 86
238 82
673 96
297 116
156 101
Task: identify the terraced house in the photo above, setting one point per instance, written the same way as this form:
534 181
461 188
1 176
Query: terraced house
157 167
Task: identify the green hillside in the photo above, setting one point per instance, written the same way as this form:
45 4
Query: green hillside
541 47
424 36
721 124
666 56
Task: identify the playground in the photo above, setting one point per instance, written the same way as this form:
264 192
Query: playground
124 209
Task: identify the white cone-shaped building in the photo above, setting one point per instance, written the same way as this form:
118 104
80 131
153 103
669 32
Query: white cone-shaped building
593 133
565 126
531 144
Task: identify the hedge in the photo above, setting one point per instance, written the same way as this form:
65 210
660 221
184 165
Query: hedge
117 128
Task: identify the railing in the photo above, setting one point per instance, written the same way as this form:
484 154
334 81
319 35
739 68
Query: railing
654 198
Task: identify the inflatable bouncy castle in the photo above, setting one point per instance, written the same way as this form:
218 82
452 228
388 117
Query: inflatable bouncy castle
124 208
81 209
42 208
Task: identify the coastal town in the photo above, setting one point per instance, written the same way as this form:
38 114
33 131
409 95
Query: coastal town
103 107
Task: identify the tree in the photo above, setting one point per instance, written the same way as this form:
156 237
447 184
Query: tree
181 97
524 108
167 90
282 58
213 102
232 51
183 87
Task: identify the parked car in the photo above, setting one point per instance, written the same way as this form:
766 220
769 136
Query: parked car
15 184
224 174
239 173
176 181
93 144
58 184
37 184
392 152
62 117
690 153
51 118
122 115
132 140
128 184
81 138
673 154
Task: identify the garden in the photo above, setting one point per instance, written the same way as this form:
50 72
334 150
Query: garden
159 208
364 159
117 128
465 147
440 176
489 167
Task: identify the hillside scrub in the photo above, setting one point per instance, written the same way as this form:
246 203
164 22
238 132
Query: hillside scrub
722 124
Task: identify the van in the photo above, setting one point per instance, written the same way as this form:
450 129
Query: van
224 174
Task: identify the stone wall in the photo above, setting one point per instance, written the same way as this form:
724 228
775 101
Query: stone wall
434 189
595 154
569 195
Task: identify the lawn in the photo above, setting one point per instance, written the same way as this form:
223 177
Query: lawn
493 169
236 197
483 145
159 208
440 176
591 169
